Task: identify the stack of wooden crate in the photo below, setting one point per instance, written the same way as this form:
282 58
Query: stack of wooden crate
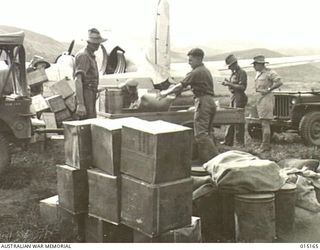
58 99
126 180
156 187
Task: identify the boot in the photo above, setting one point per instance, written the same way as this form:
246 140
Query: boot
265 145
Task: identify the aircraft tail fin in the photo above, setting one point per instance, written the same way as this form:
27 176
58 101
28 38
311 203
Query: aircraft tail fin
158 49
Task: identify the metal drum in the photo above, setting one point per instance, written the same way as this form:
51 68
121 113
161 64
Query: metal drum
284 208
255 217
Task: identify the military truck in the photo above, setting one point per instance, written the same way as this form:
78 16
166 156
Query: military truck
15 122
298 111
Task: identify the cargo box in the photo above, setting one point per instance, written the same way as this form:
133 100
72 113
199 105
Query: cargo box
62 115
99 231
156 151
187 234
104 196
113 101
49 209
72 226
106 145
37 76
155 209
70 102
77 143
56 103
62 88
72 185
39 103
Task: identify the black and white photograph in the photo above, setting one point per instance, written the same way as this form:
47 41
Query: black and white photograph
159 121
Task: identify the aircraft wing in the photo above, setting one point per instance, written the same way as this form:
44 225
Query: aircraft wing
279 62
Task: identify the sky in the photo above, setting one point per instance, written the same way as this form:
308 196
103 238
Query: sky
270 24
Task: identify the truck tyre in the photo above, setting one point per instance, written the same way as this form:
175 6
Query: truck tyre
5 157
309 128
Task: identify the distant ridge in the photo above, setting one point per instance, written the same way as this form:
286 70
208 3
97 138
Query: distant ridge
247 54
38 44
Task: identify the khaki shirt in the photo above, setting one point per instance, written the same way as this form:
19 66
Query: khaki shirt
200 80
86 64
266 79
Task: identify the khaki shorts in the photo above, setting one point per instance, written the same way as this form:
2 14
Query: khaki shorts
264 106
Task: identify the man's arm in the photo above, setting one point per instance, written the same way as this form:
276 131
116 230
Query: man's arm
242 85
276 81
174 89
81 109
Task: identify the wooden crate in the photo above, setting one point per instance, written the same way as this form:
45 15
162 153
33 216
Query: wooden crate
113 100
62 88
104 196
72 186
39 103
77 143
155 209
63 115
157 151
49 210
99 231
70 102
37 76
56 103
72 226
187 234
106 145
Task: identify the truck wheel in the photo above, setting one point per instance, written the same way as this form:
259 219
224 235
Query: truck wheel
309 128
5 157
255 131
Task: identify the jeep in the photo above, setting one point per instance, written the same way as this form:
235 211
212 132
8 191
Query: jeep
298 111
15 116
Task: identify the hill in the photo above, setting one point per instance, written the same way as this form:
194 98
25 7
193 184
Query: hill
37 44
246 54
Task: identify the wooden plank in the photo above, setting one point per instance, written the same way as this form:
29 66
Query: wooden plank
72 186
156 152
104 196
155 209
224 116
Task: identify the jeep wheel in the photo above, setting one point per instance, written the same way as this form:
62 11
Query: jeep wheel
309 128
255 131
5 158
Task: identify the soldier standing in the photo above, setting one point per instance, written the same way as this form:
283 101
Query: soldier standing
87 76
237 85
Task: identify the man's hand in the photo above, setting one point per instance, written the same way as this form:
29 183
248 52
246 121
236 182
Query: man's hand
226 82
81 110
162 94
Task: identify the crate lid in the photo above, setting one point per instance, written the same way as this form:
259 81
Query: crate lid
157 127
